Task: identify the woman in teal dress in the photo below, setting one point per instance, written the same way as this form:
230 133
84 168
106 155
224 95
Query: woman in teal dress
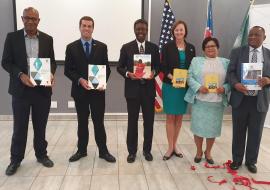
176 54
207 94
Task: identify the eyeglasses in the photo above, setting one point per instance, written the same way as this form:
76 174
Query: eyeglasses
211 46
27 18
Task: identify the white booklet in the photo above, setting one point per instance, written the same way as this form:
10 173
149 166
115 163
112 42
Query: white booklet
97 76
250 72
142 65
40 71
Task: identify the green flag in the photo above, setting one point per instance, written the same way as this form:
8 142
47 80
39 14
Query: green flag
242 36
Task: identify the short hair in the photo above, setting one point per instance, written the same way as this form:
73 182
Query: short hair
176 24
31 9
141 21
259 27
208 39
88 18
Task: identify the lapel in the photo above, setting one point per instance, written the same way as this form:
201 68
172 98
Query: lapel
134 47
246 54
21 44
93 49
40 45
188 53
175 54
266 62
81 50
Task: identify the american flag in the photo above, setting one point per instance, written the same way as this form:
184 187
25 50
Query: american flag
165 35
209 23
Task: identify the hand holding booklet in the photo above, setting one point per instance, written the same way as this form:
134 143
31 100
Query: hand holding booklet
250 73
179 78
142 65
97 76
40 71
211 82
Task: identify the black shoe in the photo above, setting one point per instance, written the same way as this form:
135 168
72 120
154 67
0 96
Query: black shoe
12 168
209 160
148 156
235 165
131 158
45 161
198 159
252 168
167 157
178 154
77 156
108 157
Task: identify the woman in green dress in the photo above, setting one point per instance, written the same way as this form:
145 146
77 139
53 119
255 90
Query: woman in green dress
207 94
176 54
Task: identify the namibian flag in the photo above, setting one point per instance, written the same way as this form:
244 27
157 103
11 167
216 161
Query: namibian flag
209 23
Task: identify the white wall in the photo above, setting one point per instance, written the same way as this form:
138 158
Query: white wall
114 21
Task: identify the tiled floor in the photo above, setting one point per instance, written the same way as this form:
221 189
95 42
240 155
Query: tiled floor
92 173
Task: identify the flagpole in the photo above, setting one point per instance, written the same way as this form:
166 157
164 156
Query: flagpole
149 20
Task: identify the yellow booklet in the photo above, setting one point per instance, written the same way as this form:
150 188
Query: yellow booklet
211 82
179 78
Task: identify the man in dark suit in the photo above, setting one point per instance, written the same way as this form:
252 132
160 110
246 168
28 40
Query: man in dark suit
19 46
139 92
79 54
249 107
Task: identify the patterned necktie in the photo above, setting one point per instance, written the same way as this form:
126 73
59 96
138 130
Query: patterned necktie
141 49
87 53
253 60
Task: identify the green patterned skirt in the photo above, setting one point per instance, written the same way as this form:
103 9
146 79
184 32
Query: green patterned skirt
206 118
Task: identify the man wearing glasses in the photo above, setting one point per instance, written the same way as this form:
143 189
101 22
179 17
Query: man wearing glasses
21 45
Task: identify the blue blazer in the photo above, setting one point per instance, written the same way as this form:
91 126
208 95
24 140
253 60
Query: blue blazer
194 79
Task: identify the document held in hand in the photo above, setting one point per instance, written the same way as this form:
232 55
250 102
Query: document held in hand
179 78
211 82
40 71
142 65
97 76
250 72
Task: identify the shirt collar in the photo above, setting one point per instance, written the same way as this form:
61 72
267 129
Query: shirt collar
26 35
259 49
139 43
89 41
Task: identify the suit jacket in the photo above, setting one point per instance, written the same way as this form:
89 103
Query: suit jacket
170 58
195 79
126 63
76 65
14 60
241 55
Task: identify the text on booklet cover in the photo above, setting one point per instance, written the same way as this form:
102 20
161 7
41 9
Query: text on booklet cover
142 65
179 78
97 76
250 73
40 71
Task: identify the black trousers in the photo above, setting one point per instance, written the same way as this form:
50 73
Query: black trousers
247 123
40 107
95 102
148 110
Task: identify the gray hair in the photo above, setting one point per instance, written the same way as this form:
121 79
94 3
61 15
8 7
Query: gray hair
30 9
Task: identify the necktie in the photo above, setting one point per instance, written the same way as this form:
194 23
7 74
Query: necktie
141 49
253 60
87 53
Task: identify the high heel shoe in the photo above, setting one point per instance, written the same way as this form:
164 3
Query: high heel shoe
198 159
167 157
180 155
208 160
